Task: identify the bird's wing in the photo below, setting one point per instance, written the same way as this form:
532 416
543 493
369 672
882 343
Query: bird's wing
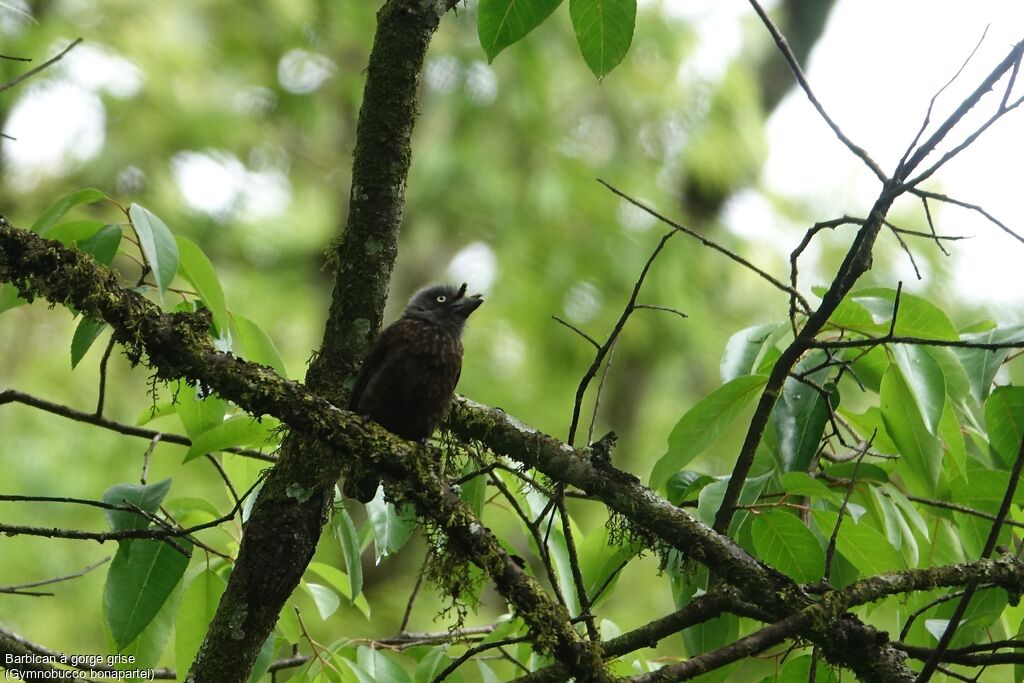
374 358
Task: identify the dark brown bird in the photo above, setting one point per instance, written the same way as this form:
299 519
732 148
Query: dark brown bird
409 376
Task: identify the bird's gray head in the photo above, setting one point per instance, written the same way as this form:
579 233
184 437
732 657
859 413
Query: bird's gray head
443 305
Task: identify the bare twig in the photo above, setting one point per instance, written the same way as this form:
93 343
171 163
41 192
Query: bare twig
604 348
19 587
32 72
12 396
577 331
937 196
775 282
794 66
931 103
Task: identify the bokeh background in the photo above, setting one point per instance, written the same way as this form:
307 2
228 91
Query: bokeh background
235 122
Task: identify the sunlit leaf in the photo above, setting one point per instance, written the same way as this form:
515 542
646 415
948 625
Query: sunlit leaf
500 23
867 549
784 542
241 430
982 365
158 245
348 539
198 606
1004 417
604 30
62 206
86 333
743 350
197 269
142 576
257 345
920 450
704 423
146 497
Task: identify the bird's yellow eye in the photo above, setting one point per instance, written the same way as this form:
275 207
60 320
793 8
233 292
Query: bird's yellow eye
441 299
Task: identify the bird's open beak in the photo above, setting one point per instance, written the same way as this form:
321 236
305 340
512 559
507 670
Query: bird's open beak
465 305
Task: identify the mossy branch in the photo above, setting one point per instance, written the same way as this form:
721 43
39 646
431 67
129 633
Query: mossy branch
178 346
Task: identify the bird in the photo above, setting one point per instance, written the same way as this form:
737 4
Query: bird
407 379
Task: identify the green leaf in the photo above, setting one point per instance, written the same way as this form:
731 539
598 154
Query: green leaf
191 511
148 647
9 297
784 542
800 416
155 411
704 423
908 509
103 245
982 365
85 334
868 366
198 270
326 600
802 484
73 232
711 635
917 317
146 497
600 560
474 491
710 498
684 484
865 548
925 381
797 670
288 624
142 575
920 450
871 427
341 583
869 311
380 666
432 664
604 30
849 314
157 243
62 206
198 415
241 430
256 345
499 23
743 350
263 660
348 539
1004 419
198 606
391 527
866 471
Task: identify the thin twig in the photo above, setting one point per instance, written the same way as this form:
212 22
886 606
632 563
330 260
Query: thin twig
775 282
103 376
794 66
938 196
32 72
17 588
412 596
577 331
931 103
12 396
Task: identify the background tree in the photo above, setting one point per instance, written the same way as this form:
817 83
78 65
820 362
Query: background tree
908 397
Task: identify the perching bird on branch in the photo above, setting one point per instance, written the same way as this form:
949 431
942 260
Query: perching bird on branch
409 376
